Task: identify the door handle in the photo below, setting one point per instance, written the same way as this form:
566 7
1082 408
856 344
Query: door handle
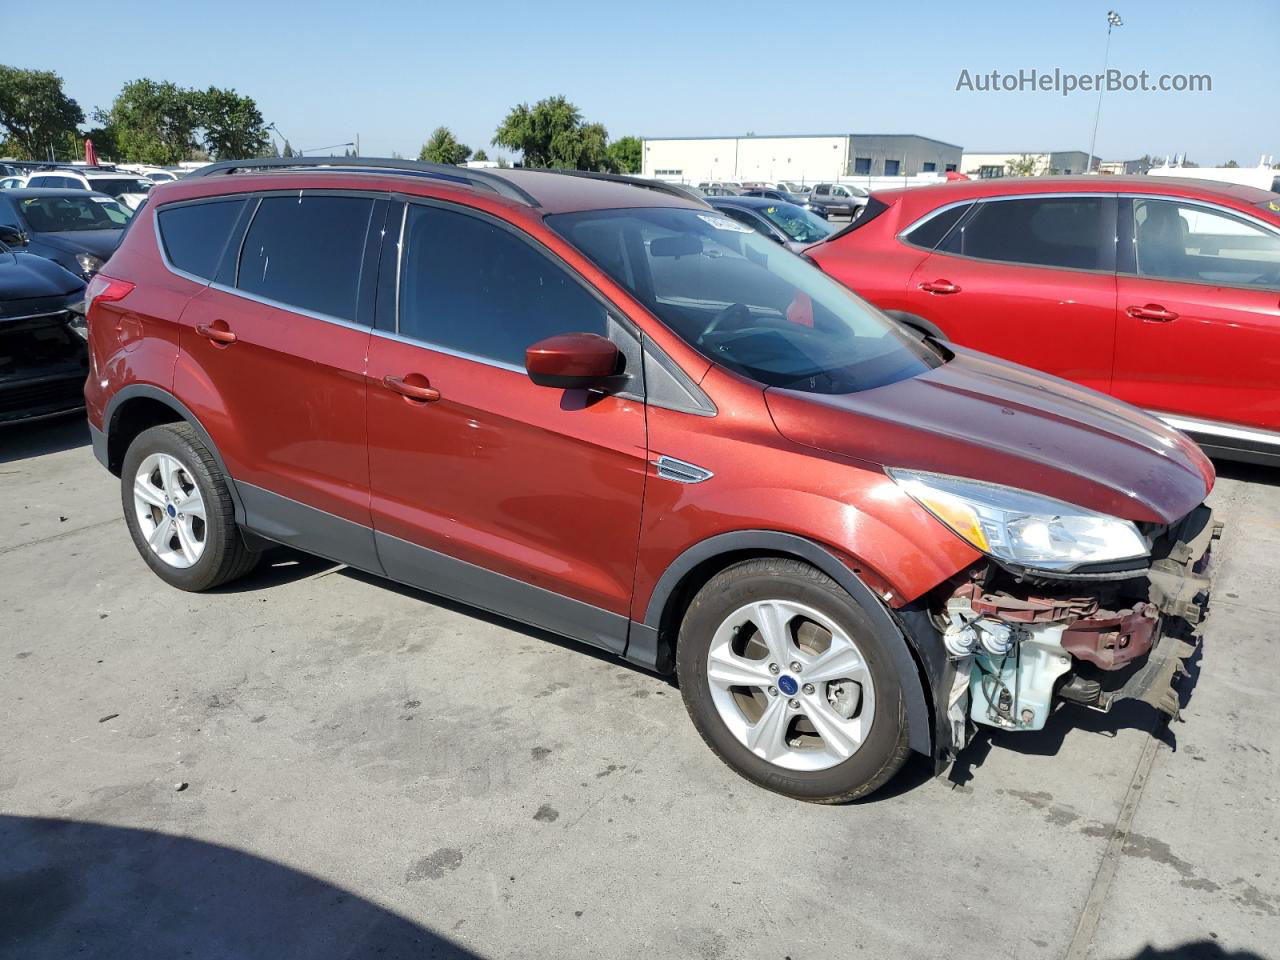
939 286
216 334
423 394
1153 312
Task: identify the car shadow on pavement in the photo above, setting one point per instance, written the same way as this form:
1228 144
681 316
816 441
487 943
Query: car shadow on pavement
72 888
22 441
1192 950
1247 472
500 621
279 566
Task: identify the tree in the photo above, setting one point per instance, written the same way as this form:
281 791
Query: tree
480 155
548 134
443 147
1025 166
153 122
35 112
1231 163
626 155
232 125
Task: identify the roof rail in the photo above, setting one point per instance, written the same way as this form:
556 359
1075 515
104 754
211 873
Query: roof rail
657 185
467 176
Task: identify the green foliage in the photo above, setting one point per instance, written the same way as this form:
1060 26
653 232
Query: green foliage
232 125
443 147
288 151
35 113
552 133
1025 166
153 122
626 155
480 155
1231 163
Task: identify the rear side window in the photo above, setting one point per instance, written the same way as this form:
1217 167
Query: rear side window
931 233
67 183
195 235
307 252
474 288
1074 232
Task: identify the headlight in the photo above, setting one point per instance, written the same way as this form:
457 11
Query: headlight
1022 528
89 263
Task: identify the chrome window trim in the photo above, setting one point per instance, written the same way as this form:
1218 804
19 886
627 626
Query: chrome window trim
446 351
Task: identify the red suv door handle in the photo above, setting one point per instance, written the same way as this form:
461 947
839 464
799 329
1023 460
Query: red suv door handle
1152 311
939 286
413 391
216 334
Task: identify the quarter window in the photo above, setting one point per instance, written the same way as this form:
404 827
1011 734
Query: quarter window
1074 232
195 236
930 233
1177 241
306 251
471 287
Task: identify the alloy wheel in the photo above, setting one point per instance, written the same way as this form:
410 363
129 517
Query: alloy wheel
170 510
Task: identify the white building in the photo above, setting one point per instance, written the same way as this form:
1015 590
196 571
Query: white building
803 158
997 163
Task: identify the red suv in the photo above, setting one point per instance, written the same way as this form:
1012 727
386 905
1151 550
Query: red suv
601 407
1162 292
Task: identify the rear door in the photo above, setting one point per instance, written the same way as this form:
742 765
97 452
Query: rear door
1199 314
1030 279
273 360
487 488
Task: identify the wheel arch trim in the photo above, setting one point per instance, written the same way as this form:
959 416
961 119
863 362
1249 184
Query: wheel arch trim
908 661
147 391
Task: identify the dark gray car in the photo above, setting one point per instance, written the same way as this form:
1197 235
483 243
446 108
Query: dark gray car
76 229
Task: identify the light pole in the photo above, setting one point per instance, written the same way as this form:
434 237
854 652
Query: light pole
1113 20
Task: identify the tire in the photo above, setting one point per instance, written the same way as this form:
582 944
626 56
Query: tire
807 765
222 555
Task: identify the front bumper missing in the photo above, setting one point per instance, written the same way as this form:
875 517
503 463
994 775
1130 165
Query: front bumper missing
1021 647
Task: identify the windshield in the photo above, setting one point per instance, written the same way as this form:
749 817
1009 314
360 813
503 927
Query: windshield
790 187
59 214
744 302
114 186
797 223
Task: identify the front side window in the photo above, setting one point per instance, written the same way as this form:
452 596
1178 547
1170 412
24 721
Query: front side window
1073 232
1182 241
474 288
195 235
744 302
61 214
116 186
306 251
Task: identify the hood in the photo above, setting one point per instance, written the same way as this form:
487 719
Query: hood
983 418
24 276
101 243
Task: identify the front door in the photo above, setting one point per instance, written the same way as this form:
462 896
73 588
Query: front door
1199 317
487 488
1031 280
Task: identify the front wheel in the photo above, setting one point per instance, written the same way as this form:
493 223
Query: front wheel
787 681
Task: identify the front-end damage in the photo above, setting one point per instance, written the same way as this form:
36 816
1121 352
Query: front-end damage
1020 643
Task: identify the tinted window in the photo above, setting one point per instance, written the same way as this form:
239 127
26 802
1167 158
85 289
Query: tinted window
1053 231
7 217
306 251
195 236
1180 241
68 183
475 288
930 233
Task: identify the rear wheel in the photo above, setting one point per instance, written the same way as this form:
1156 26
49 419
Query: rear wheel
179 510
787 681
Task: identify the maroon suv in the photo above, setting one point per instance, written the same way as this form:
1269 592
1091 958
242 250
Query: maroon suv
600 406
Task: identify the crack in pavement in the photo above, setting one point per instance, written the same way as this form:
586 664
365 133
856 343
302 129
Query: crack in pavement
60 535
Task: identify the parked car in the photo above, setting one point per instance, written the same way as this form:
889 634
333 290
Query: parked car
1162 292
77 230
43 360
799 200
786 223
721 188
129 189
842 198
9 183
608 410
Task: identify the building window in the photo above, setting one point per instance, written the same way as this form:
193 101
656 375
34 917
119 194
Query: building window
950 168
991 171
862 166
892 167
667 173
928 167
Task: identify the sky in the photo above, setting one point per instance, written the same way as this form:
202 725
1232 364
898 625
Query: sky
391 71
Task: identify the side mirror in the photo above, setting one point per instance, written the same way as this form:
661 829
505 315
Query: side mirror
14 238
572 361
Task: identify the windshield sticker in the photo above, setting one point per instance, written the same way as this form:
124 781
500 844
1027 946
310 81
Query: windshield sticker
724 223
